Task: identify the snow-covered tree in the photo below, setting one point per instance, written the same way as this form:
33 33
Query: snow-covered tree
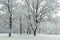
39 9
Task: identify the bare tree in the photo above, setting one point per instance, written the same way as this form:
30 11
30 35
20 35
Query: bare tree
9 6
10 17
10 14
37 11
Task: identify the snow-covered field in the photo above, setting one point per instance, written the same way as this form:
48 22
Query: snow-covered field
29 37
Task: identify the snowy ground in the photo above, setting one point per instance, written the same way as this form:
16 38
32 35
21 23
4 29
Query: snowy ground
29 37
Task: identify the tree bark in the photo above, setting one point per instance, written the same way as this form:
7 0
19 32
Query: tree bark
10 18
10 21
20 25
35 33
10 33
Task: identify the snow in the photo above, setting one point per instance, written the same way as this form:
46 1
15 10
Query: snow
29 37
58 1
56 15
1 5
19 1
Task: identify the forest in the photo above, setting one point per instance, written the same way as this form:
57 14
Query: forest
30 17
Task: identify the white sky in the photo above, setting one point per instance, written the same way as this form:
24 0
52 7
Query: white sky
19 1
1 12
56 15
1 5
0 8
58 1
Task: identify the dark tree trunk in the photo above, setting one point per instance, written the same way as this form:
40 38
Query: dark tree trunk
27 31
34 33
10 18
20 31
10 33
20 25
10 25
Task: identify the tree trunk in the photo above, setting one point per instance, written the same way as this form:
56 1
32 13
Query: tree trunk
34 33
20 25
20 31
39 30
10 18
10 33
28 31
